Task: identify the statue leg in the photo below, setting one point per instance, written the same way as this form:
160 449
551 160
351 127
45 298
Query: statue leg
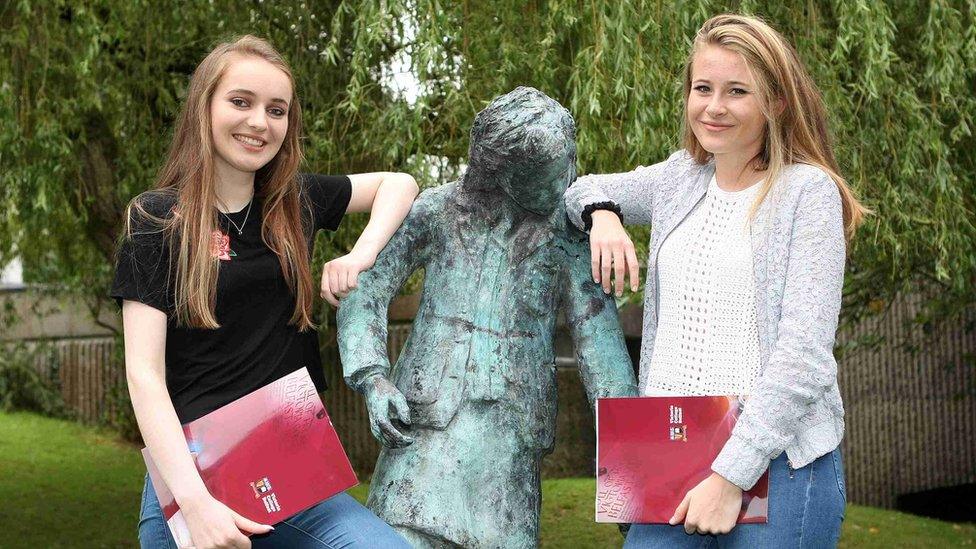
423 540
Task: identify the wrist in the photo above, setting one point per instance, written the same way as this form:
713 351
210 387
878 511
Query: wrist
726 483
367 383
192 498
600 216
366 250
599 208
362 259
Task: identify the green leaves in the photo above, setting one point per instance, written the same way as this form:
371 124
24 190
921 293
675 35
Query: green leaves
104 79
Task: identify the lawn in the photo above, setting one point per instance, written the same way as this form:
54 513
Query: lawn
67 485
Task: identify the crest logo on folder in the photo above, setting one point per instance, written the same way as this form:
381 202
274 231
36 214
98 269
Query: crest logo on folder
270 501
262 486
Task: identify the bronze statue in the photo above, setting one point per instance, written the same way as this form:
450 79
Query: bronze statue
469 409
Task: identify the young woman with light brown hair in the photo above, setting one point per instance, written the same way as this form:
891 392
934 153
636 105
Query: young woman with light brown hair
216 289
750 225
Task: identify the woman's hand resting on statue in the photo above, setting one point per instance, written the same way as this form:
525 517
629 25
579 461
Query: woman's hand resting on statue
610 246
385 402
341 275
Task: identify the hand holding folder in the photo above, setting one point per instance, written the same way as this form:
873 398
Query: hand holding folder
267 456
652 450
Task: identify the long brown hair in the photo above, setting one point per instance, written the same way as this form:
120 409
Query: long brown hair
189 175
798 132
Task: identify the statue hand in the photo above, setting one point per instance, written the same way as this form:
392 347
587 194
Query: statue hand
381 396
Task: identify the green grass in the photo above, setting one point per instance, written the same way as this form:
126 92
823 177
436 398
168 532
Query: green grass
67 485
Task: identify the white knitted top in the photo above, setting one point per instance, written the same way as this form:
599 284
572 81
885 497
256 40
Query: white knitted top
707 340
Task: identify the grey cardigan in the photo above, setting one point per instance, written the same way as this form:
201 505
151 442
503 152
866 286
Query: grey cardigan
798 250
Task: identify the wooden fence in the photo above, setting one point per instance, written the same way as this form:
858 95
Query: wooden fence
86 371
911 408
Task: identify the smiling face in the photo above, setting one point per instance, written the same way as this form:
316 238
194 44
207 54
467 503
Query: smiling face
249 114
723 108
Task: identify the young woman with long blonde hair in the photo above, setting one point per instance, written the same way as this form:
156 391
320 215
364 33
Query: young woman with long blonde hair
750 222
216 289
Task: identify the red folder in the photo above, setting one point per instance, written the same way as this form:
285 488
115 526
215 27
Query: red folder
652 450
268 455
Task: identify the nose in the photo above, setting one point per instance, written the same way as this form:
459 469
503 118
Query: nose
258 120
716 106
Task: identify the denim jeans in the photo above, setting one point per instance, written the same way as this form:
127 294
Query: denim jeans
806 507
335 523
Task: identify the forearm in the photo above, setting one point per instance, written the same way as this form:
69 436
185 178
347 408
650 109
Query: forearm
392 202
601 351
630 194
362 330
163 435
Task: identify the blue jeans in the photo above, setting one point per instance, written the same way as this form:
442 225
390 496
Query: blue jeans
806 507
337 522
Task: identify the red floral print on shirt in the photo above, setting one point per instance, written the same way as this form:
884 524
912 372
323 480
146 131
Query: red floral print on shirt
220 246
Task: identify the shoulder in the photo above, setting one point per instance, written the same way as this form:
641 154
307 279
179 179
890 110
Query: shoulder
681 166
148 214
434 198
309 180
810 184
157 203
327 197
674 172
323 187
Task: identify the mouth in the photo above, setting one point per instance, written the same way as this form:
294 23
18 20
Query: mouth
711 126
251 143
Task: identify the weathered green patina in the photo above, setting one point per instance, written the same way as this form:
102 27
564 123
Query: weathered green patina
469 409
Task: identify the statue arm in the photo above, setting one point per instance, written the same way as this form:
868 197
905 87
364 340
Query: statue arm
362 317
601 353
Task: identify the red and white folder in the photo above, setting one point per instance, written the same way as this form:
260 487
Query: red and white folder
268 455
652 450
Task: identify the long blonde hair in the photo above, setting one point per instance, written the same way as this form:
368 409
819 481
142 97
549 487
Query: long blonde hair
188 175
798 132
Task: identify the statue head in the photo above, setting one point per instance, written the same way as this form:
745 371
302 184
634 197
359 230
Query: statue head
523 143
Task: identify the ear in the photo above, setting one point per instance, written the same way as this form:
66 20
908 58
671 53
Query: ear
779 105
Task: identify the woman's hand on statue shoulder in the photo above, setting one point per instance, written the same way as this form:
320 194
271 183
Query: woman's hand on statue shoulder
711 507
341 275
612 250
212 524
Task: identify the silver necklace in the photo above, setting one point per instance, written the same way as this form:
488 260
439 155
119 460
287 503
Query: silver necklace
240 228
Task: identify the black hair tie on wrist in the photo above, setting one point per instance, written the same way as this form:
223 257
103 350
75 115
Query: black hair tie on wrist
587 214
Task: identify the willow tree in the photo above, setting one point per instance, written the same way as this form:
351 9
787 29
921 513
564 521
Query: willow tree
88 93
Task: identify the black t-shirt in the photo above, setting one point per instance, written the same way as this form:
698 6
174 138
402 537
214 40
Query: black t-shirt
255 344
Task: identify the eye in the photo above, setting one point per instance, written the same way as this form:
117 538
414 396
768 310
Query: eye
239 102
277 112
738 91
702 88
